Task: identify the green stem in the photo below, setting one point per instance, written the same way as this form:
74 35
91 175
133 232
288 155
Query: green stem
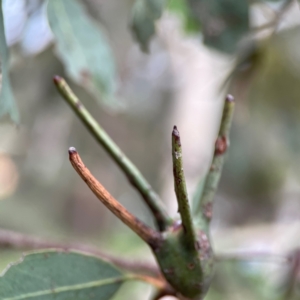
130 170
180 190
204 210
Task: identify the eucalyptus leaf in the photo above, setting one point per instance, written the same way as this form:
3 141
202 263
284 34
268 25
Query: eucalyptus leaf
7 100
224 22
46 275
182 9
144 15
83 48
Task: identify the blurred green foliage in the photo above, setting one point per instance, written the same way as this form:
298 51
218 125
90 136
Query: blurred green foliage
182 9
7 101
224 23
83 48
144 14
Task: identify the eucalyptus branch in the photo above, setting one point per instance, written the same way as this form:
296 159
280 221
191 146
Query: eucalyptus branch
180 190
146 233
133 174
16 240
251 256
273 24
204 210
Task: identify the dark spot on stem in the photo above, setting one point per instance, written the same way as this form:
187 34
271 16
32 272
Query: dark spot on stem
207 209
178 180
176 135
221 145
156 245
57 79
78 104
204 245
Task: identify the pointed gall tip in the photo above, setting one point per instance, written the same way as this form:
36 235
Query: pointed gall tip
72 150
57 79
175 131
229 98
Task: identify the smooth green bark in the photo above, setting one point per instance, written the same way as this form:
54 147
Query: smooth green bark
181 192
130 170
204 211
188 270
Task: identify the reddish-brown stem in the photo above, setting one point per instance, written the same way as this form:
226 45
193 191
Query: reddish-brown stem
149 235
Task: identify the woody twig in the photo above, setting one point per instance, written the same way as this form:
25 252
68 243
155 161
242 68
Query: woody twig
146 233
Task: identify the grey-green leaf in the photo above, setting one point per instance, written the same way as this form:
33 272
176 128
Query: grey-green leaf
7 100
56 275
224 22
144 15
83 48
182 9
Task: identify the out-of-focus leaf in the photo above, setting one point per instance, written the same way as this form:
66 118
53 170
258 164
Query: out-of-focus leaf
144 15
52 275
224 22
83 48
183 11
15 17
7 100
37 34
